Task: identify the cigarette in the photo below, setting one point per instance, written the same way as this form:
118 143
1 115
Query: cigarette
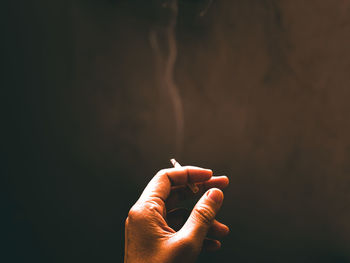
194 188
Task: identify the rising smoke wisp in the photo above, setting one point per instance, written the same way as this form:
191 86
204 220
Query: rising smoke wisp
165 63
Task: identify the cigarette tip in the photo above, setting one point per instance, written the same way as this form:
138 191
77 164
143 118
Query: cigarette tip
173 161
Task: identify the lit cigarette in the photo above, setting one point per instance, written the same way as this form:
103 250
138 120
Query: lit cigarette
194 188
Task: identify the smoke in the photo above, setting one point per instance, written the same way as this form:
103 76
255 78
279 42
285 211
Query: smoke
165 62
206 8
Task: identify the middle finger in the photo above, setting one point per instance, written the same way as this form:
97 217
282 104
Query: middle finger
183 193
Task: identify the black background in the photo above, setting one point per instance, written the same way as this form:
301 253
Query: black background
265 89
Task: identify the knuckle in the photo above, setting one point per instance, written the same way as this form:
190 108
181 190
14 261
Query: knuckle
162 172
139 213
187 170
204 214
153 206
135 214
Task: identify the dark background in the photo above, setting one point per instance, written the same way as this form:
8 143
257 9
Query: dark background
265 88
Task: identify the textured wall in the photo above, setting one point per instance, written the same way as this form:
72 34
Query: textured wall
264 86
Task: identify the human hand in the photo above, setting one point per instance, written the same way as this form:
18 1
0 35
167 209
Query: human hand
149 238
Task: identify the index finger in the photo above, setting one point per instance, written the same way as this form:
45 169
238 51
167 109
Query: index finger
161 183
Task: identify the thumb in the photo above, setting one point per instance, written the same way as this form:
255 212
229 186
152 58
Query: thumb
203 215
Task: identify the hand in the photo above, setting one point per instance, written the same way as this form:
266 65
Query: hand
149 238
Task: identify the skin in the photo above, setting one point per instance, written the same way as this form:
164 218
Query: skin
149 238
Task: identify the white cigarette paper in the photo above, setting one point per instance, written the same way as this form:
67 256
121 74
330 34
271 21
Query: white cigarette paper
194 188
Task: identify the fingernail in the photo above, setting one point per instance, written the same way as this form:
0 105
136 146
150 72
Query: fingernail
215 195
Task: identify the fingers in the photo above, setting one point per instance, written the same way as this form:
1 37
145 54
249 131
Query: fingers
181 193
203 215
188 174
218 230
216 181
220 182
160 185
211 245
177 218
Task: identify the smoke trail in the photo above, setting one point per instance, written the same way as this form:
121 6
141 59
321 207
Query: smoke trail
206 8
165 68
